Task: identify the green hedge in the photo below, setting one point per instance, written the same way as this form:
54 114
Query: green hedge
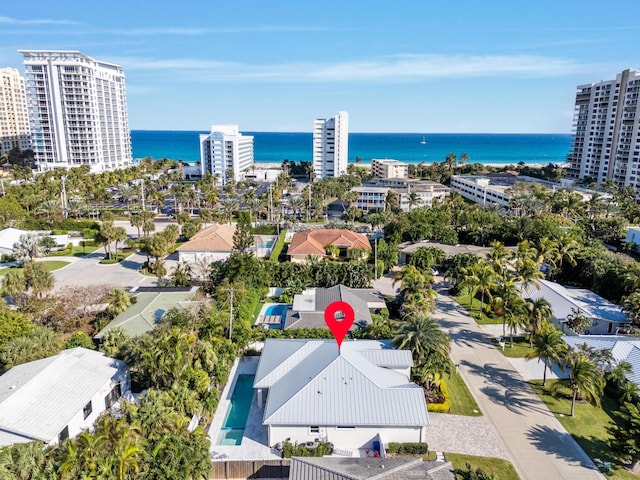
277 248
412 448
445 406
319 450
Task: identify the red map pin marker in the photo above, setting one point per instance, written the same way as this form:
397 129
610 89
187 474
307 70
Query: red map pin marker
339 326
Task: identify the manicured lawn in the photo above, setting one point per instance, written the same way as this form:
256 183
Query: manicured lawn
462 402
122 254
54 264
475 311
501 469
520 347
75 252
588 426
50 265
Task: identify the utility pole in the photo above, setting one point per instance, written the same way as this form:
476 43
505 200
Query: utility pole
142 194
375 258
230 290
63 194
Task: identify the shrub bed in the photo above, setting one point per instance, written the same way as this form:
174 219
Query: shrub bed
277 248
445 406
317 450
411 448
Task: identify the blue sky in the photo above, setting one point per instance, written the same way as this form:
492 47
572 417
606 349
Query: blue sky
406 66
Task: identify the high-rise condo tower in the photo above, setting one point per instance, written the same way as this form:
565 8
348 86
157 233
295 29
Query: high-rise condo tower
225 153
78 111
606 143
331 146
14 116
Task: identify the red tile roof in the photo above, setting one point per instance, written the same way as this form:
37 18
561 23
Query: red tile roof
314 242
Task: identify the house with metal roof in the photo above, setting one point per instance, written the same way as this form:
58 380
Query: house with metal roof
606 317
309 390
334 468
58 397
149 304
309 306
623 349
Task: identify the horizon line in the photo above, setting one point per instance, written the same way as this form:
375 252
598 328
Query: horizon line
367 133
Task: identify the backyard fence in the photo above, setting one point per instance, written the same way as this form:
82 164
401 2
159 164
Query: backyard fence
249 469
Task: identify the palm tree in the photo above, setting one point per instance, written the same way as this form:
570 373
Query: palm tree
413 200
412 280
28 248
428 343
528 273
228 206
118 301
585 380
548 347
481 278
539 315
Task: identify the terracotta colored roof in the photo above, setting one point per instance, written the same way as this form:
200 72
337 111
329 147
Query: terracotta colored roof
314 242
216 238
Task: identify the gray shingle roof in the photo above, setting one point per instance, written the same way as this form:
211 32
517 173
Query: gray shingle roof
308 309
37 399
306 385
333 468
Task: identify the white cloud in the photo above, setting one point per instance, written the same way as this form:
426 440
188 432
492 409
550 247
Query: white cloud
190 31
389 69
37 21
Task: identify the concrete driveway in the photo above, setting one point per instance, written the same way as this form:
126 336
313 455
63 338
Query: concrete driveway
538 445
85 271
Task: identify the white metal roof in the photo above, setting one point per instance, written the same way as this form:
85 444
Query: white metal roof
318 385
622 349
37 399
564 300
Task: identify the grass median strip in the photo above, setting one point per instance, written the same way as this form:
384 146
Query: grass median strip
501 469
589 425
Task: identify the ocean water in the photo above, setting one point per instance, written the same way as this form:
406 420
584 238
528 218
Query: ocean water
406 147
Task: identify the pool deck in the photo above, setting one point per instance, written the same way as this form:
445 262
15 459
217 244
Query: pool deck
254 443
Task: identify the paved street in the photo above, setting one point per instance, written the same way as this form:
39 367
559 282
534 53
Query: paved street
84 271
537 444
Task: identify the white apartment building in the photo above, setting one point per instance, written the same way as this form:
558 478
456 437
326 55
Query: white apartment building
14 116
388 168
410 193
479 190
331 146
606 127
78 111
225 152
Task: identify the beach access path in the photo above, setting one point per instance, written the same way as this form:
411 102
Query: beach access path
538 445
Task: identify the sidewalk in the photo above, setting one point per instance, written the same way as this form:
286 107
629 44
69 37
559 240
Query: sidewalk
538 445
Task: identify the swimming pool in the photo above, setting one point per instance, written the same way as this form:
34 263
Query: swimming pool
232 429
277 309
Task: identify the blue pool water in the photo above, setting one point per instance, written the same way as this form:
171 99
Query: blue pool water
232 429
277 310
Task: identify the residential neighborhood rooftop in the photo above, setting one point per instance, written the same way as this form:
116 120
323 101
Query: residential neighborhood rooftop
307 379
38 399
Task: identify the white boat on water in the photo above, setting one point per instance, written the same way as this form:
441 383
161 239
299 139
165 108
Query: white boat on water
424 140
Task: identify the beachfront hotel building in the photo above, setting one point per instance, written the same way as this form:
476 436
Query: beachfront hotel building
331 146
225 153
14 116
387 168
606 127
78 111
